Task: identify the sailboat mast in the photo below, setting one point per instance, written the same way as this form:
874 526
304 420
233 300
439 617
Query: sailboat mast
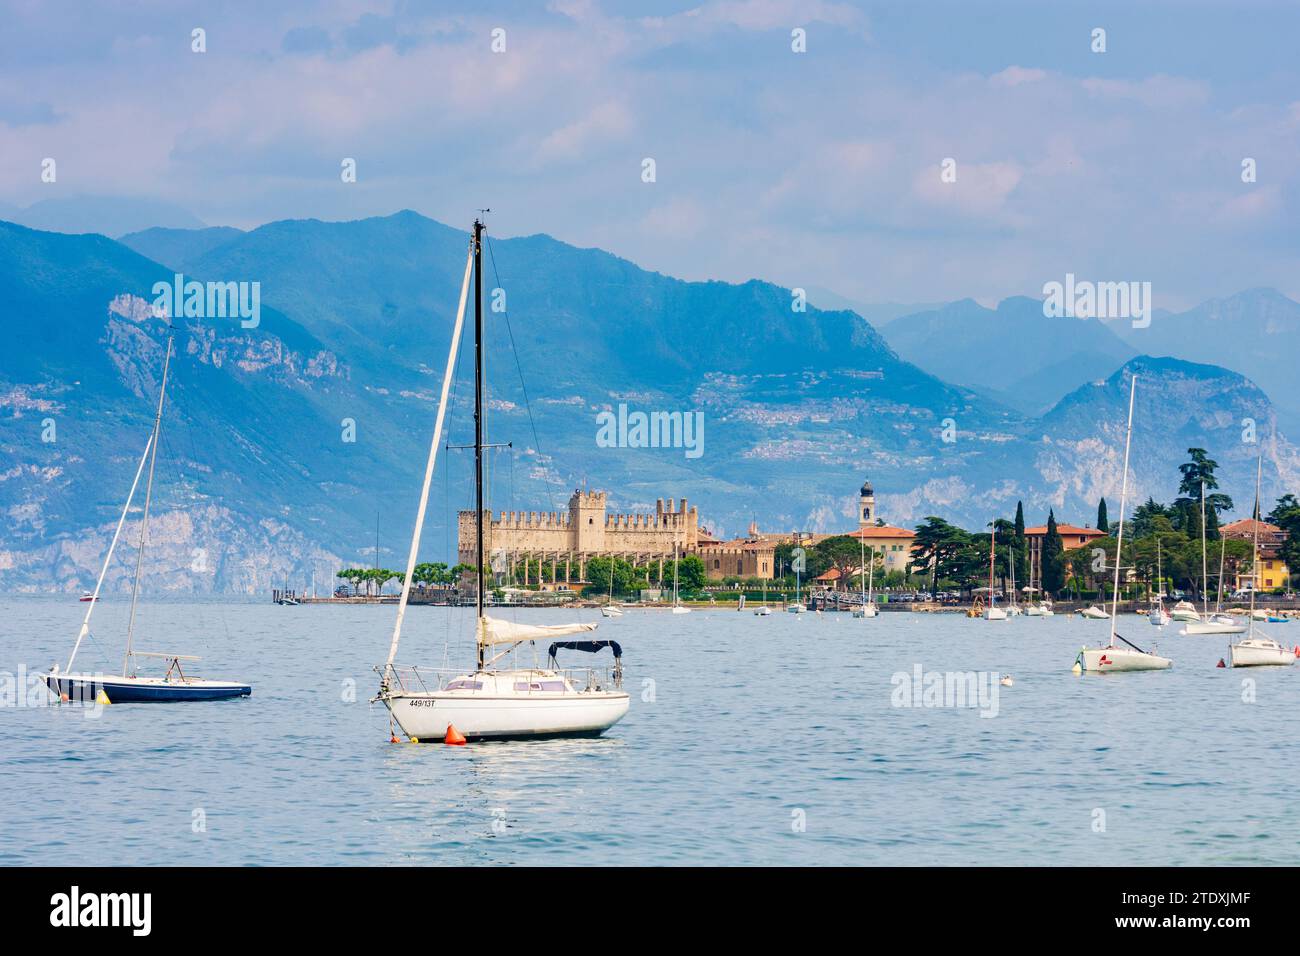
148 496
1254 554
1123 506
1205 566
993 546
478 424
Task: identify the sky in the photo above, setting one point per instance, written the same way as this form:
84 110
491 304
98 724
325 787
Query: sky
818 169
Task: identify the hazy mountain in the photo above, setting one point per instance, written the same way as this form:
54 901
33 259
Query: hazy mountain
107 215
879 314
1013 353
168 246
355 325
1255 332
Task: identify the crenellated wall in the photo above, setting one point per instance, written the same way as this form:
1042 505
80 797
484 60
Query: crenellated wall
585 529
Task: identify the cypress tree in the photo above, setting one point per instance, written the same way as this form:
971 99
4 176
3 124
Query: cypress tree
1103 524
1053 557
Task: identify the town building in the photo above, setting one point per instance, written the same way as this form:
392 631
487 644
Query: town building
1273 572
749 557
565 541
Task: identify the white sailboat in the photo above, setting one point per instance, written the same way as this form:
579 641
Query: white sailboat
763 610
610 609
1261 650
677 601
797 607
1157 616
1113 657
1208 623
488 702
1013 607
868 607
130 687
992 612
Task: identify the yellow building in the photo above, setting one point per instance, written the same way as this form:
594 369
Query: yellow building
1273 572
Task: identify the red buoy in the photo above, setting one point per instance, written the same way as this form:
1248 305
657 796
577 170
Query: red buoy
1220 664
454 737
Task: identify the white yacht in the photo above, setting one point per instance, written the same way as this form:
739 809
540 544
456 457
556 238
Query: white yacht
491 702
1258 650
1113 657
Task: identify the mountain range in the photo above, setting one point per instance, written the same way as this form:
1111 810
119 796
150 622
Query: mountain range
288 446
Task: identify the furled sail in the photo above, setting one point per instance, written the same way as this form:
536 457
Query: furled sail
497 631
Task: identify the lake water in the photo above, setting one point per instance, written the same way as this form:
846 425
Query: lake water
749 741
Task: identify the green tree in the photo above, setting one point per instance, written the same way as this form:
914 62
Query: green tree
1103 523
1286 515
1197 474
1053 557
1022 547
690 573
937 547
841 553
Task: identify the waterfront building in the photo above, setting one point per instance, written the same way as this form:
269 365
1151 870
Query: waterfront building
564 541
1273 572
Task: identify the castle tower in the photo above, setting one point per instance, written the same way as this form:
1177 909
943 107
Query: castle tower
866 505
587 516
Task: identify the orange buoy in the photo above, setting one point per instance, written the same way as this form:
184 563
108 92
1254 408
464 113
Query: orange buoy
1297 650
1220 664
393 739
454 737
63 698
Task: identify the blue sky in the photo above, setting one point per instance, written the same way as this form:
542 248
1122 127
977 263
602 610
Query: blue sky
818 169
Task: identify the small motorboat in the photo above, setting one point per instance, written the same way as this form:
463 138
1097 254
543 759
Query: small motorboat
87 596
1094 613
795 609
1185 611
762 611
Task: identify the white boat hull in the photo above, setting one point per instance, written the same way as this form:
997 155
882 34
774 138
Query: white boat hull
1094 614
1211 627
1261 654
426 716
1105 660
867 610
995 614
763 611
1158 618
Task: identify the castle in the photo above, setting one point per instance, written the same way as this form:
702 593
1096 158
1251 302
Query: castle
567 540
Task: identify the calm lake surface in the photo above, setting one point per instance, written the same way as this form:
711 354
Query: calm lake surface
741 730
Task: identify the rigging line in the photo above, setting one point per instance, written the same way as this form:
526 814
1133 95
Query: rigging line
522 386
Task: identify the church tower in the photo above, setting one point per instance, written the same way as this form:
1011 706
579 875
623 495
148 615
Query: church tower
866 505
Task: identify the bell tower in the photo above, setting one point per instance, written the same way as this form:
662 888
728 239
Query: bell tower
866 505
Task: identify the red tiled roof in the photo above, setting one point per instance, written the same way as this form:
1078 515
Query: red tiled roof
1066 530
1247 526
885 531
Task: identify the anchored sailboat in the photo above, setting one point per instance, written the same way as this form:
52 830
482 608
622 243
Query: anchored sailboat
129 687
868 607
1261 650
992 612
1209 623
1157 615
1113 657
491 703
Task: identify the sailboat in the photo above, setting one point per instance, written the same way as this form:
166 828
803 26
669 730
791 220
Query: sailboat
488 703
868 607
1258 651
992 612
763 610
1013 608
1157 615
796 607
1113 657
611 609
677 601
129 687
1209 623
